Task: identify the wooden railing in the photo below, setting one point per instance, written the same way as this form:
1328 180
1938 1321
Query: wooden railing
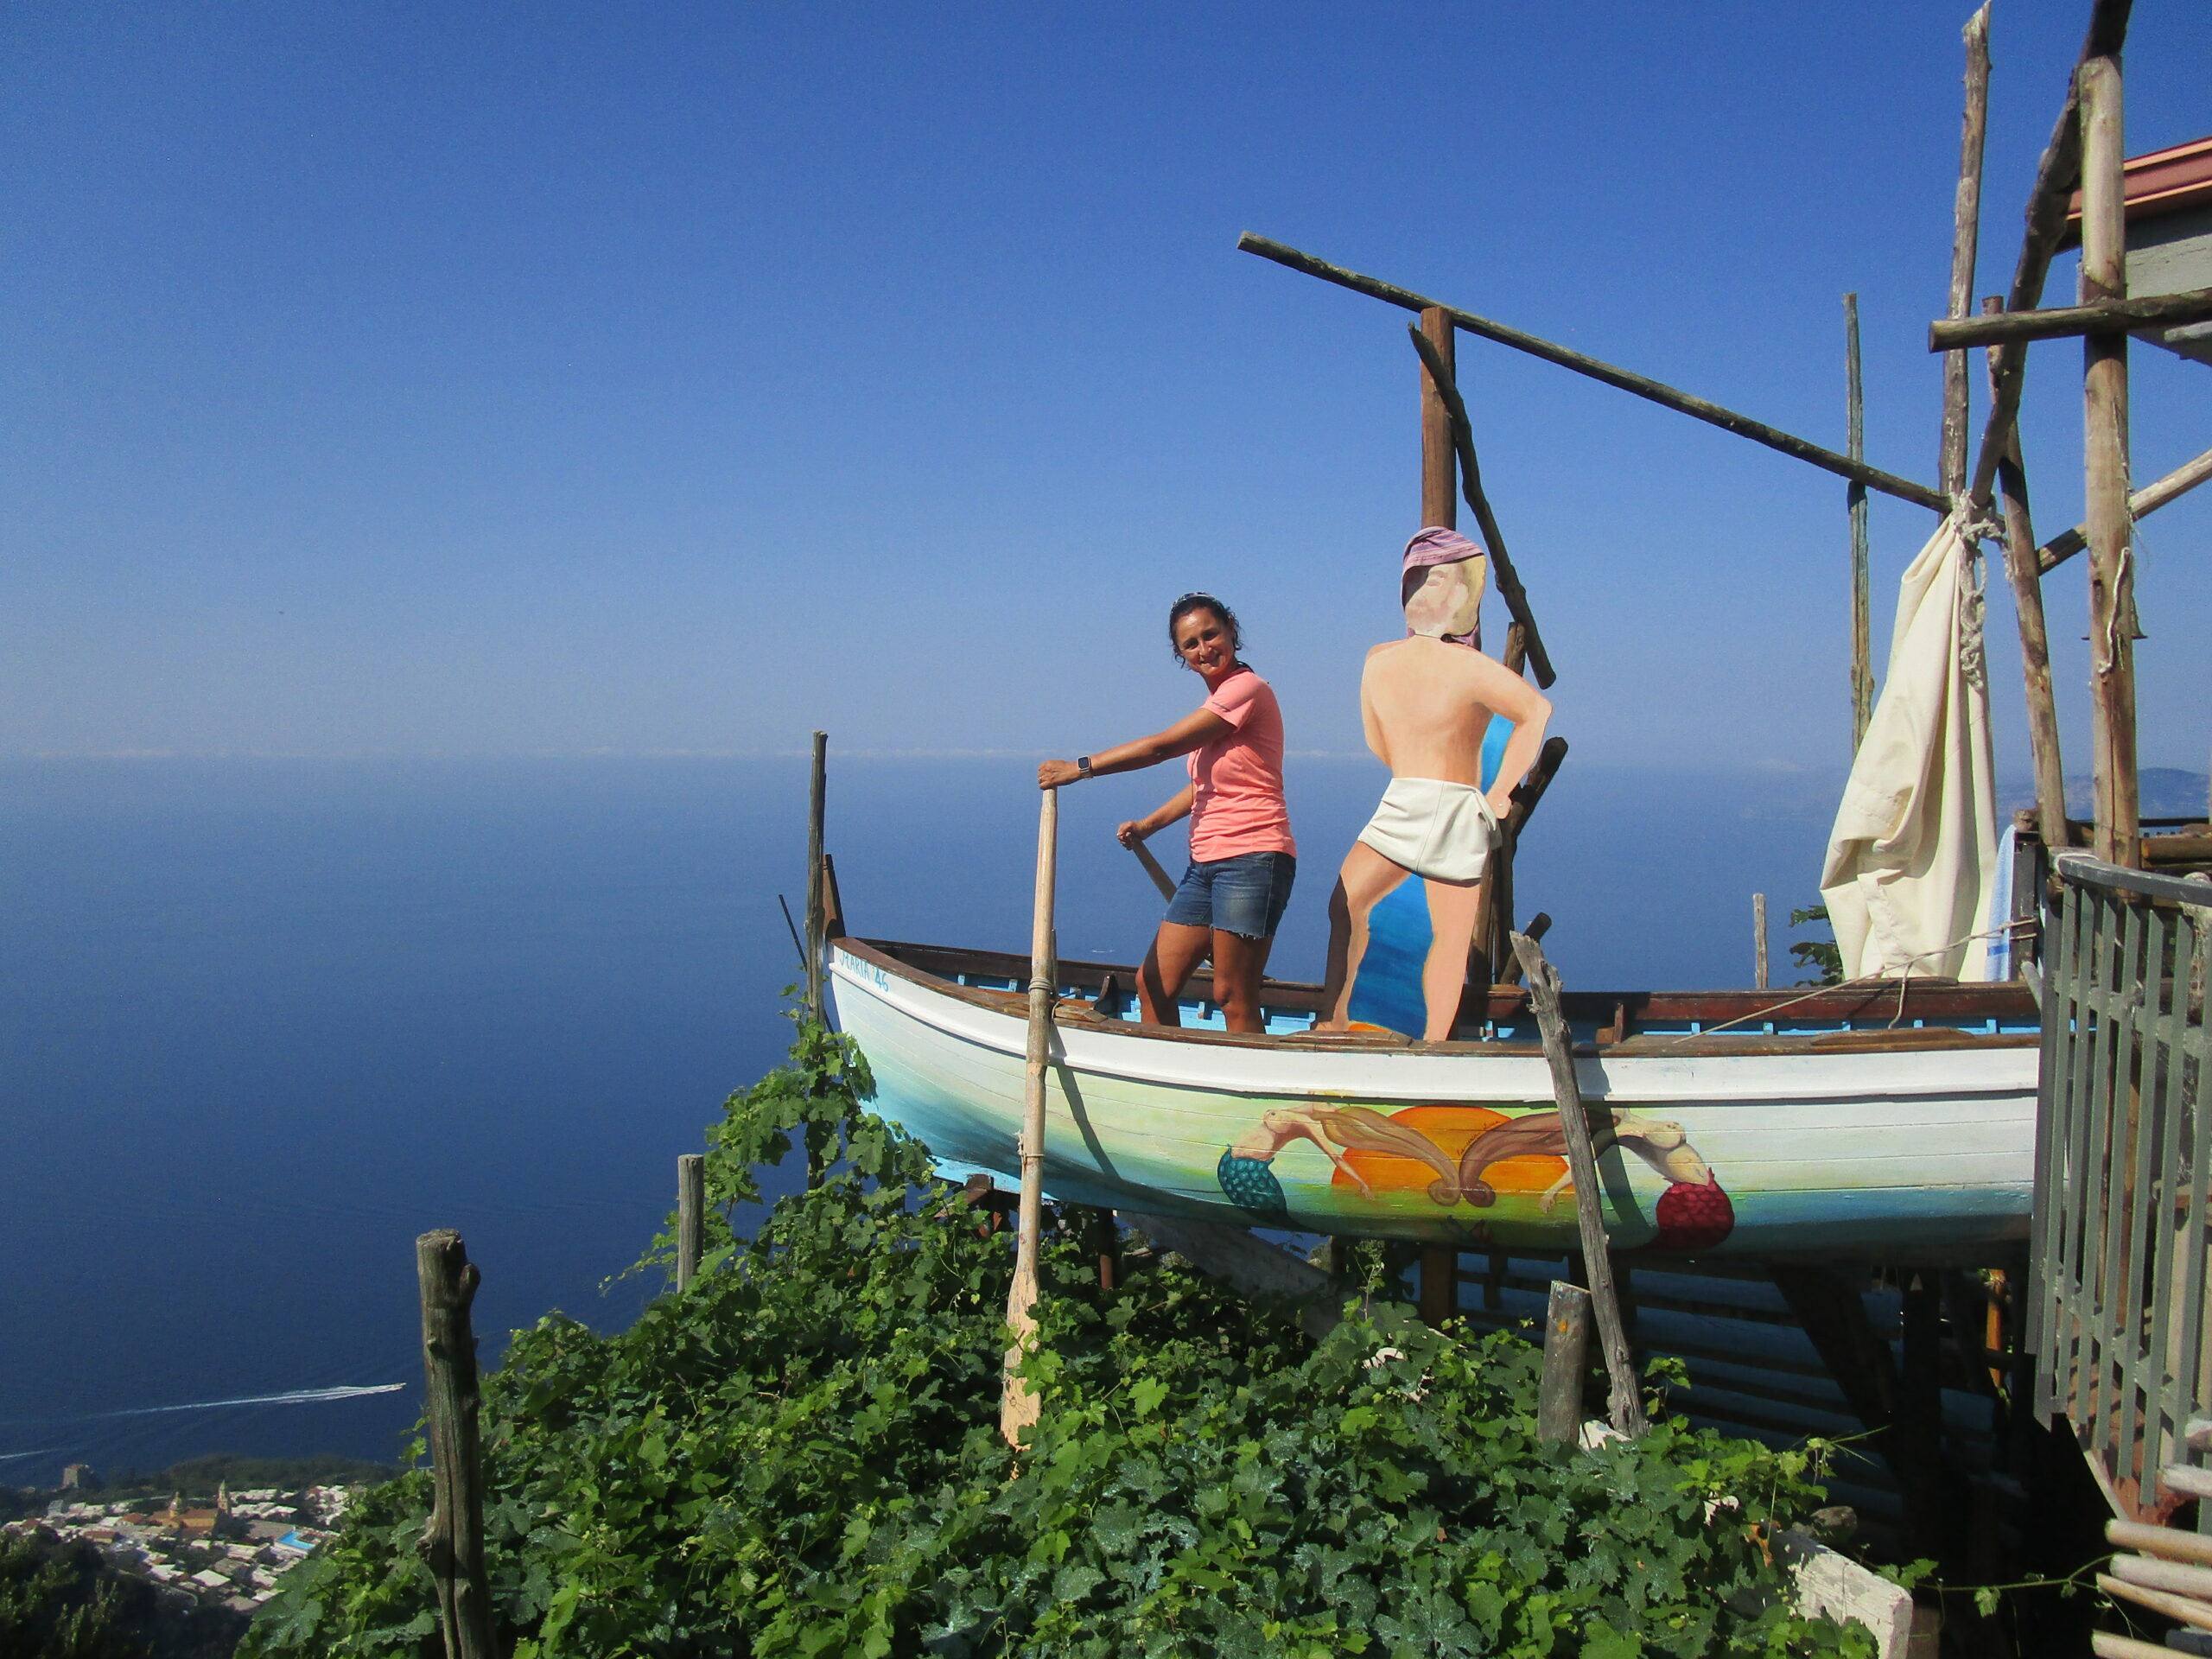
2123 1203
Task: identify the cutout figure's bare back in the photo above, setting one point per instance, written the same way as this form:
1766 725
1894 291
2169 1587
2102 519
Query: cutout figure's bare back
1426 706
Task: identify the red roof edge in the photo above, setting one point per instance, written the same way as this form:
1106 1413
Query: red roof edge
2163 181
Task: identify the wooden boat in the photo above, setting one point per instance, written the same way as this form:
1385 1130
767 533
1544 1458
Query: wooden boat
1896 1122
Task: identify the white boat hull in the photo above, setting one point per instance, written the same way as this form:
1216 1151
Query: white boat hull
1919 1152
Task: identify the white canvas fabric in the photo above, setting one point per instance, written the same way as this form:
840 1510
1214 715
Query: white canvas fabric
1912 860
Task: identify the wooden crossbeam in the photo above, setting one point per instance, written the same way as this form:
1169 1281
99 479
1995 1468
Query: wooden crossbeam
1610 374
2146 501
2058 322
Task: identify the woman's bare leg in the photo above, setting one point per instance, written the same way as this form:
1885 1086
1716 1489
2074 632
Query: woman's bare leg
1451 906
1366 880
1238 964
1176 951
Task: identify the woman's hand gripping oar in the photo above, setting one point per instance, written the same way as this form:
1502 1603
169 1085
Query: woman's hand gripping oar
1134 842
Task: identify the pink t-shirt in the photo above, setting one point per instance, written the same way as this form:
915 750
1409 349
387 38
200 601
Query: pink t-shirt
1239 807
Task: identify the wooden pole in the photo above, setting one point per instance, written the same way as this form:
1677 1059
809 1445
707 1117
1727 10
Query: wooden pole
1491 945
1862 602
2060 323
815 913
2141 505
453 1541
1524 642
1106 1245
1626 1402
1966 233
1439 487
1758 940
690 1217
1161 879
2049 202
1965 239
1567 1358
1612 375
2104 401
2021 570
1018 1402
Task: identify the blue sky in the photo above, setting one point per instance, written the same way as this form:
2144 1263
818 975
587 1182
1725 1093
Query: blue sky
505 379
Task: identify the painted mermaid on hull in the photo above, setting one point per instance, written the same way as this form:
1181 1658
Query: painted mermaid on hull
1693 1214
1247 1169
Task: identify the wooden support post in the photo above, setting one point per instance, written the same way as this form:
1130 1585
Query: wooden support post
2056 173
816 900
1106 1244
1566 1361
1438 1296
1625 1398
453 1541
1920 1415
1832 1312
1440 489
690 1217
1966 232
2022 570
1758 940
1018 1401
1524 641
2104 413
1855 496
1492 948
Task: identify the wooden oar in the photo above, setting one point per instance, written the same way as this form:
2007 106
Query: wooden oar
1018 1401
1161 879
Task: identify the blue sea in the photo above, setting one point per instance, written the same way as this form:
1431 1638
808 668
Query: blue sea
264 1022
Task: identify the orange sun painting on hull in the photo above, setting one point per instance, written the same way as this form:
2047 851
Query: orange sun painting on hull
1454 1129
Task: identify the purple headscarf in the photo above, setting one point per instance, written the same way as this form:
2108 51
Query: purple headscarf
1437 545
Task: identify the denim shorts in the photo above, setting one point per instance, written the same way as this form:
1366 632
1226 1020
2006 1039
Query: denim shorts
1244 895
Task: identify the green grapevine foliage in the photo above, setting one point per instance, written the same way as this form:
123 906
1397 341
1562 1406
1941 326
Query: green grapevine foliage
799 1456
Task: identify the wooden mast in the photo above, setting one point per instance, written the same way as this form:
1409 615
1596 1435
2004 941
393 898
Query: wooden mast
2104 412
1440 479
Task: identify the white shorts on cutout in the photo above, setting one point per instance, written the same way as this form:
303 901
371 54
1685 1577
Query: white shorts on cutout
1433 829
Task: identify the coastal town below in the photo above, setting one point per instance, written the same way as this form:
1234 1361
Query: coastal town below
198 1556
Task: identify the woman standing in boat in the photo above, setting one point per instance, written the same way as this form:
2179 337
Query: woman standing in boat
1242 858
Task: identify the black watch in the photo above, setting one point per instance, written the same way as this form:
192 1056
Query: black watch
1082 766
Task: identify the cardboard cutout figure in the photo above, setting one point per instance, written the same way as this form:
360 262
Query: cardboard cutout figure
1427 704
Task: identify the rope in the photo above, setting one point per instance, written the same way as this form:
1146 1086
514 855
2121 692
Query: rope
1973 530
1864 980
